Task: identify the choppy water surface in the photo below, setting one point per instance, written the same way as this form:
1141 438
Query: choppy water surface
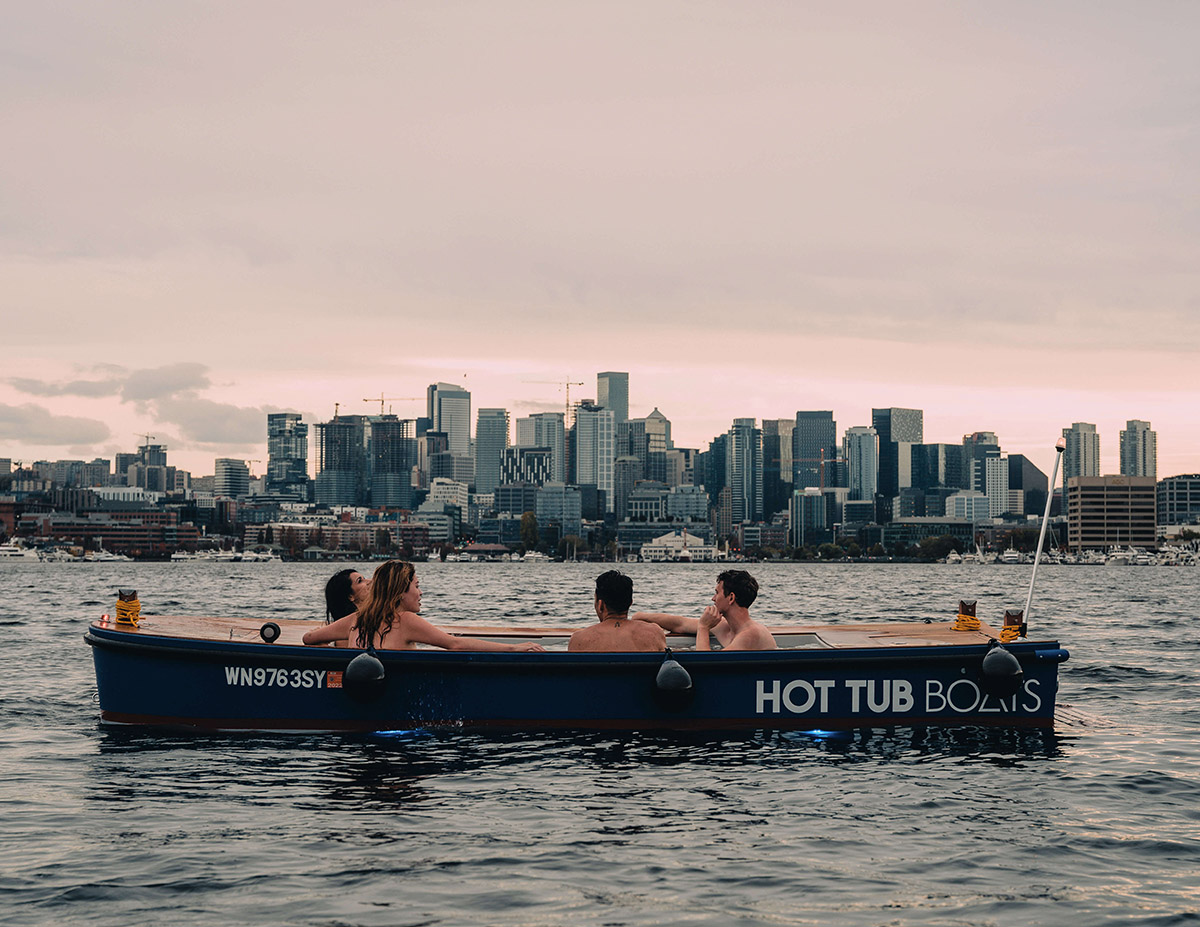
1097 822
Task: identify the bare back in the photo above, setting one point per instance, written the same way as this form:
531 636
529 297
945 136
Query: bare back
619 636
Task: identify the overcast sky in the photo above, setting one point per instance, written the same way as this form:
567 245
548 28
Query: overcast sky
211 211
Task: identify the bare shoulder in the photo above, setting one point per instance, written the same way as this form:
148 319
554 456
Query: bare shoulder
755 637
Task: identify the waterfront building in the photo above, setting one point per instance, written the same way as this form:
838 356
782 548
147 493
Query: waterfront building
449 410
909 532
231 478
744 470
1139 449
342 461
970 504
612 392
898 430
491 440
814 450
1110 511
287 455
595 437
860 449
856 513
1178 500
679 546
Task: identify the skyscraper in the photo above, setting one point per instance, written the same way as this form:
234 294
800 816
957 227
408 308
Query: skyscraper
449 408
1082 455
898 430
595 437
1139 449
612 392
342 461
860 448
744 470
491 439
231 478
814 450
287 455
392 454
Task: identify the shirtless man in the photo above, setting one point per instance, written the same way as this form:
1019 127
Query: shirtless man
615 632
727 619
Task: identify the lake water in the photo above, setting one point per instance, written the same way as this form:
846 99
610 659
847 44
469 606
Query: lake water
1097 822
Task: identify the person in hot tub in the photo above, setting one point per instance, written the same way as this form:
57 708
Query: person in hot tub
727 619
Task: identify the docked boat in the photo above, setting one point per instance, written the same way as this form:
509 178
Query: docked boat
235 674
13 551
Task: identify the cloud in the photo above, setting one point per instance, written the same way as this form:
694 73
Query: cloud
164 382
131 385
217 423
36 425
88 388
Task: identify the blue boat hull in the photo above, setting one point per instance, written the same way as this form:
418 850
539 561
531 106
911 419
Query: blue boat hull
165 681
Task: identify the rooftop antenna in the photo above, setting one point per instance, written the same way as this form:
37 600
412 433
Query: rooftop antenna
1060 446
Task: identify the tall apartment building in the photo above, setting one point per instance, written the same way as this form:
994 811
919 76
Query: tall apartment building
287 455
449 410
612 392
1139 449
1082 455
744 470
595 438
860 448
491 440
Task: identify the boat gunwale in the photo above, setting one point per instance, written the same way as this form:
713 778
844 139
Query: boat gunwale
242 651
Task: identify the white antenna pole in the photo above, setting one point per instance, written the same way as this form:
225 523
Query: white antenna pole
1059 447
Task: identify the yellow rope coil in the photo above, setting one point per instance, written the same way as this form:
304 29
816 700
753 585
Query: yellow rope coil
128 612
965 623
1009 633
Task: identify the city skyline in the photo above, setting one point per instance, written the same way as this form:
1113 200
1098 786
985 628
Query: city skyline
752 209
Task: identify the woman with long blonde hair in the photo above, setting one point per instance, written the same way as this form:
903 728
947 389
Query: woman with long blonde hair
390 621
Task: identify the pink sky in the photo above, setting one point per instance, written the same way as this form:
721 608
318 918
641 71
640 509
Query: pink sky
983 212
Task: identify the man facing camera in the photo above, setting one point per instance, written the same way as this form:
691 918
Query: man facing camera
614 632
727 619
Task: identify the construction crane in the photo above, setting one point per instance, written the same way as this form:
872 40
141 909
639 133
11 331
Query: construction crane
563 383
822 460
382 399
148 438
